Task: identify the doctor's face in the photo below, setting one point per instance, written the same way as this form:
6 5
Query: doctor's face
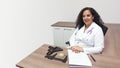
87 17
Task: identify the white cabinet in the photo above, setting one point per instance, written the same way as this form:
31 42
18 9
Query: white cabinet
62 35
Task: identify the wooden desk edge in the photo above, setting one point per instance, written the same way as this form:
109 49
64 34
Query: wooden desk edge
19 66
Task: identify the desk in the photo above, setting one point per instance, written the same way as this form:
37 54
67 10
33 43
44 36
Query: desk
37 60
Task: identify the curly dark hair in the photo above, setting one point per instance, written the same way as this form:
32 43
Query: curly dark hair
97 19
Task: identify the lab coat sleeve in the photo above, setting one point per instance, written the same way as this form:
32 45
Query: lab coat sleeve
72 38
98 43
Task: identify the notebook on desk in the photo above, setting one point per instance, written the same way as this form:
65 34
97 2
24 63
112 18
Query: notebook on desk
78 59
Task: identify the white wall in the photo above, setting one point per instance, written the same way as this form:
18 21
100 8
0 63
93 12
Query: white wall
25 24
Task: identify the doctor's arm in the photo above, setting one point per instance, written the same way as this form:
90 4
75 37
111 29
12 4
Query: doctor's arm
98 44
72 38
73 45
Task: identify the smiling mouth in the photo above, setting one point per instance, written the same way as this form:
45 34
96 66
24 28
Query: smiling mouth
86 21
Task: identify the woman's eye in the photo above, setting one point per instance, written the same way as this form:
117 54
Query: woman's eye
88 15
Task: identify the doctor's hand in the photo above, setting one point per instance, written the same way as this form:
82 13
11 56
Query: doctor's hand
76 49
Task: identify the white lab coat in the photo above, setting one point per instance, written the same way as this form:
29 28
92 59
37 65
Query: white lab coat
92 40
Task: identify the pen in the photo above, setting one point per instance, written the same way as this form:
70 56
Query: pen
93 58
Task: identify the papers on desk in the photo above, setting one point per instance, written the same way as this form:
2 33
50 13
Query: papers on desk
78 59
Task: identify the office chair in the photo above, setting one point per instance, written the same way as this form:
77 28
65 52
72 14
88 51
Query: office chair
104 29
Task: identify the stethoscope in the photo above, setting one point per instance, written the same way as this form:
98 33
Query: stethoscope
90 31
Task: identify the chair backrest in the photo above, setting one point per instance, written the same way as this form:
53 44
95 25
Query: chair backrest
104 29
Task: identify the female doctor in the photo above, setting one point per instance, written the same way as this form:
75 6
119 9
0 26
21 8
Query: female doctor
88 36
